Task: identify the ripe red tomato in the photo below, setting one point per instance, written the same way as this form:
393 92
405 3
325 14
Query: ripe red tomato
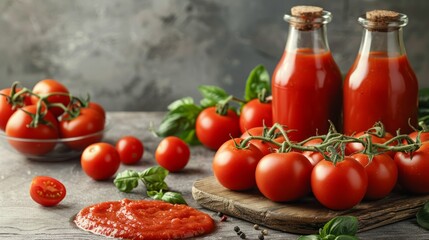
213 129
340 186
256 114
88 122
47 191
98 108
234 167
264 146
424 136
382 174
413 169
284 177
313 156
51 86
18 126
355 147
100 161
130 149
172 154
7 108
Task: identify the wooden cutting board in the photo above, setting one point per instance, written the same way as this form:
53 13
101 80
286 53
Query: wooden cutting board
305 216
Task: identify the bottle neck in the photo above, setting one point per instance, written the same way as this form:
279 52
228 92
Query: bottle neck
313 41
385 43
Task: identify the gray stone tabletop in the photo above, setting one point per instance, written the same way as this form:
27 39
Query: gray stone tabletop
21 218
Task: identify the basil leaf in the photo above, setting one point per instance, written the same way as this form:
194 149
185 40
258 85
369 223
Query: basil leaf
257 80
423 216
310 237
155 194
342 225
211 95
156 186
180 120
154 174
127 180
173 197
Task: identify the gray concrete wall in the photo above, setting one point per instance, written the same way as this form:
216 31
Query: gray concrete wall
143 54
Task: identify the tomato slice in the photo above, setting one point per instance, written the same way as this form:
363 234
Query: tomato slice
47 191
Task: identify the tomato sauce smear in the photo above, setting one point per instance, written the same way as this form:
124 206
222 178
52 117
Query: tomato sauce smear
144 219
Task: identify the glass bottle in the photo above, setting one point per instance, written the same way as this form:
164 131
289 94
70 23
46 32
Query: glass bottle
307 83
381 85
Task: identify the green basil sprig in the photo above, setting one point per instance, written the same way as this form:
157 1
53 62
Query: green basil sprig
182 114
154 180
338 228
257 81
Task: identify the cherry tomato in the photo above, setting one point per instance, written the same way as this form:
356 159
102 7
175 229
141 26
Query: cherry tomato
256 114
284 177
7 108
213 129
413 169
382 174
18 126
51 86
88 122
172 154
130 149
313 156
100 161
355 147
234 167
264 146
47 191
340 186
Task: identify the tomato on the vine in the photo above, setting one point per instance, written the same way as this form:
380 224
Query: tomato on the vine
313 156
266 147
355 147
172 154
7 108
100 161
97 107
424 136
340 186
213 129
89 121
130 149
47 191
284 176
256 114
57 91
382 174
413 169
21 125
235 167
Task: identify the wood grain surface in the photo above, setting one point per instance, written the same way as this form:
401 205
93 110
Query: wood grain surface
305 216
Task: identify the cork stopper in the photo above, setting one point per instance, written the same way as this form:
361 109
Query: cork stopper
305 17
306 11
382 16
382 20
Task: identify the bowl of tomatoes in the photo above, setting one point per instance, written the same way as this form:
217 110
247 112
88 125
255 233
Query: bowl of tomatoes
47 123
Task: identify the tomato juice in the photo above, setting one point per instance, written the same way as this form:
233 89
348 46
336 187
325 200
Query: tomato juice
380 87
306 88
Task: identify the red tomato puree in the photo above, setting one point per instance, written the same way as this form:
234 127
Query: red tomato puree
144 219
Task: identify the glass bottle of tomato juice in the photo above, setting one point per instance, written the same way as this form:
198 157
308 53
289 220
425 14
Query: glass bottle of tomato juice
381 85
307 83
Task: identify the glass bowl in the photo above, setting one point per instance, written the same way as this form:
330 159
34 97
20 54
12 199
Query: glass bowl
51 150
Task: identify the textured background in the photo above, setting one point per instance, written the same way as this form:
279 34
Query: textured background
143 54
